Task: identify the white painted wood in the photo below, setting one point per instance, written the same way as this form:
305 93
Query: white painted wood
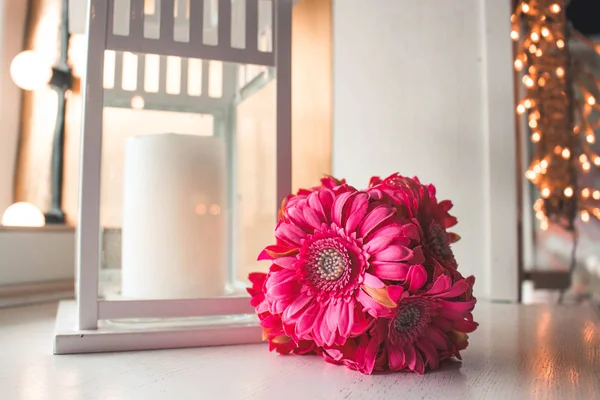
251 24
135 335
283 52
115 309
417 91
519 352
29 255
88 241
12 32
500 155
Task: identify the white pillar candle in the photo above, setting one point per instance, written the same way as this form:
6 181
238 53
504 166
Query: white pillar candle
174 222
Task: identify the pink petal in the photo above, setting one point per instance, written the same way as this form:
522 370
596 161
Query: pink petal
326 198
290 233
264 256
306 322
295 307
462 307
315 204
387 230
374 218
285 262
457 289
337 212
419 365
396 358
371 306
283 290
417 276
438 339
430 353
441 285
378 243
392 271
346 319
393 253
411 231
312 217
332 314
356 211
297 217
373 281
410 356
395 292
370 355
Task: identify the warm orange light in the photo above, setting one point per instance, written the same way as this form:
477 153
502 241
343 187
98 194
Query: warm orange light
591 100
560 43
540 215
537 206
542 82
215 209
586 166
533 123
525 8
591 139
585 216
200 209
555 8
514 35
560 72
537 169
527 103
597 161
535 137
596 212
544 164
518 65
566 153
535 36
585 193
596 195
533 48
568 191
520 109
544 225
545 193
539 53
527 81
576 130
582 158
531 175
557 150
545 32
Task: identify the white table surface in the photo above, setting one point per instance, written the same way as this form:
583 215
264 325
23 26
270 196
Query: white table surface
519 352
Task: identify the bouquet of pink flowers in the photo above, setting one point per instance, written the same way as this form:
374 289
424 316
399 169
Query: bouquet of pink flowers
365 278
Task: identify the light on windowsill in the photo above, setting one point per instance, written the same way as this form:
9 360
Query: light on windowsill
30 71
23 214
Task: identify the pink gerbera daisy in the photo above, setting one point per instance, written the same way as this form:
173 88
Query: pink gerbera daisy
334 245
429 325
432 217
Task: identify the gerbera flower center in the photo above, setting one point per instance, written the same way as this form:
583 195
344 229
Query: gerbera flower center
410 321
331 264
407 318
437 241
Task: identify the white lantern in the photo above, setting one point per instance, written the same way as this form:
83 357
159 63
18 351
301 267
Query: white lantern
196 207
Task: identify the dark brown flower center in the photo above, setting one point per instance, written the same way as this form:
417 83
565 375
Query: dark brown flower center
438 242
411 321
407 318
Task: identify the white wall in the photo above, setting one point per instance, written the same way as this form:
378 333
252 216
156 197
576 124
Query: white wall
425 88
12 32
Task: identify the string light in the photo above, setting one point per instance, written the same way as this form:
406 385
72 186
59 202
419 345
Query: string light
536 137
545 32
585 193
585 216
545 193
596 195
538 204
586 166
539 53
535 37
518 65
533 123
527 103
590 138
533 48
596 212
514 35
566 153
568 191
597 161
560 43
540 215
531 175
544 164
542 82
560 72
520 109
525 8
591 100
544 225
555 8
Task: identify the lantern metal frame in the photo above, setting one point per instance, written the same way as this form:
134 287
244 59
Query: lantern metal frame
84 325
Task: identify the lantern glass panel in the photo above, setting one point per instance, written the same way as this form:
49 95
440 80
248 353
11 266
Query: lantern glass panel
188 176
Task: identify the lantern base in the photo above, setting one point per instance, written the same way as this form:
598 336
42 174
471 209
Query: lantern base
127 337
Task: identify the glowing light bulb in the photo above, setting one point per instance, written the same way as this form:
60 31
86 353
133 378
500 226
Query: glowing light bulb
535 137
514 35
568 191
586 166
591 139
537 206
533 48
545 193
30 71
582 158
596 212
585 216
520 109
545 32
539 215
596 194
560 72
542 82
23 214
525 8
591 100
518 65
539 53
544 225
597 161
557 150
544 164
576 130
215 209
533 123
527 103
535 36
560 43
137 102
585 193
566 153
555 8
531 175
537 168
